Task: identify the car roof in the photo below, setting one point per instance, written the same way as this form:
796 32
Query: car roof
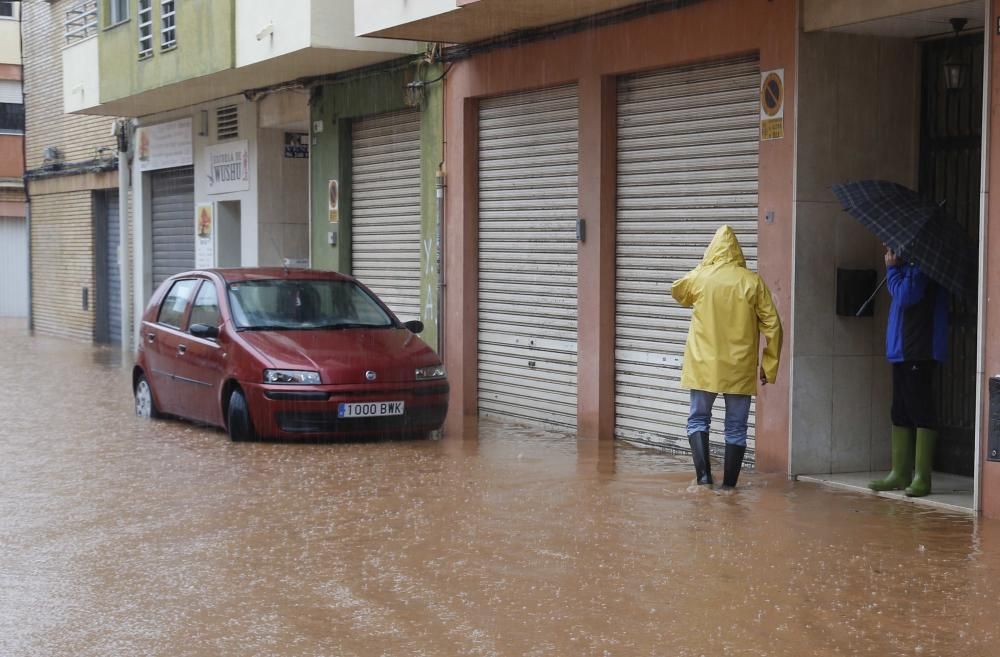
240 274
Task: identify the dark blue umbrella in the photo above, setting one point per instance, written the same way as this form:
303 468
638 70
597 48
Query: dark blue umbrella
915 229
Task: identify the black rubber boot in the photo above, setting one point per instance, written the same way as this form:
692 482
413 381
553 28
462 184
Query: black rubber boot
733 465
699 453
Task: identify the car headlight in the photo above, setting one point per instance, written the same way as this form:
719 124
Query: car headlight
432 372
301 377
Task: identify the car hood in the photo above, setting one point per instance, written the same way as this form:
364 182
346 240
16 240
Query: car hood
343 356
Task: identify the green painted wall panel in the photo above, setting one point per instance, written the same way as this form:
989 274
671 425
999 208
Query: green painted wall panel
205 44
336 105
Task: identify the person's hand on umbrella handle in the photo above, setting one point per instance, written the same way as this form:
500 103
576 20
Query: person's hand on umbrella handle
890 258
763 377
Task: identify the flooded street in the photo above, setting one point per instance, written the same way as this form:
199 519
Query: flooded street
126 537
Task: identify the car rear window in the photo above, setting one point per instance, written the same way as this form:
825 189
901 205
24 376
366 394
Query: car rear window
176 302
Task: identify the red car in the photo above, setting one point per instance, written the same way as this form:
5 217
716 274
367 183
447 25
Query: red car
285 353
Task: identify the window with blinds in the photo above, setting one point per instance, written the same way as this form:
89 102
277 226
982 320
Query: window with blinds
168 24
145 28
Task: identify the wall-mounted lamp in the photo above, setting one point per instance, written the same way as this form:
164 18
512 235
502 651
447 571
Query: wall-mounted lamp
203 123
954 68
414 93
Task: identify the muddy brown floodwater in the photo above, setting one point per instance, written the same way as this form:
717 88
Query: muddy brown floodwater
125 537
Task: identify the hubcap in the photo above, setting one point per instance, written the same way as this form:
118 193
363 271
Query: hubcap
143 400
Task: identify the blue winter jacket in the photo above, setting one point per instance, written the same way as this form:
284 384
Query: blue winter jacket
918 317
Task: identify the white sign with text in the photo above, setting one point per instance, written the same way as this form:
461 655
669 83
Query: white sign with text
228 167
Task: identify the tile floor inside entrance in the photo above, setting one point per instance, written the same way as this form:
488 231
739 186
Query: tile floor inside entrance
948 491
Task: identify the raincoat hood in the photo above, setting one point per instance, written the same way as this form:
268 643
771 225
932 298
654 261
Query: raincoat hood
724 249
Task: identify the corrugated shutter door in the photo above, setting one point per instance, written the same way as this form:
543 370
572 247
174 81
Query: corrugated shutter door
13 267
528 256
385 209
687 164
62 263
114 290
173 222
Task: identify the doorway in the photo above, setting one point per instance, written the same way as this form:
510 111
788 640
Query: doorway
950 166
229 247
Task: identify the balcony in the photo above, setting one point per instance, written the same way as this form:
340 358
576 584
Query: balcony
219 49
466 21
80 58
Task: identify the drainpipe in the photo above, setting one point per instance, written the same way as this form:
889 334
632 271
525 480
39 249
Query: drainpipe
123 130
439 187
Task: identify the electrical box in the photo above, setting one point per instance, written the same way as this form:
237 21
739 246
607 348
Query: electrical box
854 286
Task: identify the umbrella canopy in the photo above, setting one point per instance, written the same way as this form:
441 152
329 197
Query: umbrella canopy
915 229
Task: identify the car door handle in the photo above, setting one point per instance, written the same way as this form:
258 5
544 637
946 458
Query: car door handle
181 348
150 337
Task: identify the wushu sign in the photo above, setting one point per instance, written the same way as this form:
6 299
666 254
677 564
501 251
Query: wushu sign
228 167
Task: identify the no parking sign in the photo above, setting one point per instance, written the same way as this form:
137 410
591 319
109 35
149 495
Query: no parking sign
772 104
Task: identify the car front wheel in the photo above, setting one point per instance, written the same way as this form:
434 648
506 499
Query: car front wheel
144 404
238 418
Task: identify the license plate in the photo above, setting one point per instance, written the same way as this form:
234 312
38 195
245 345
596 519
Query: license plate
370 409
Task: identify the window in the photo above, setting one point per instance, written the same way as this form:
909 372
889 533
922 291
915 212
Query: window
206 306
168 22
173 307
81 21
11 117
145 28
6 9
117 11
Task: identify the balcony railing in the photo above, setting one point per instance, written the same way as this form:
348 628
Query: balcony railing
81 21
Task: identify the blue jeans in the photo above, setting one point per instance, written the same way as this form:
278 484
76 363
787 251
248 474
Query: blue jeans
737 414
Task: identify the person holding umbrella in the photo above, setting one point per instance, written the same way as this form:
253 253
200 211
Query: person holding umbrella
927 258
916 340
732 308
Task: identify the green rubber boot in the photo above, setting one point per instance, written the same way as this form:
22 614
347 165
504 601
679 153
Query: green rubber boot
902 461
925 460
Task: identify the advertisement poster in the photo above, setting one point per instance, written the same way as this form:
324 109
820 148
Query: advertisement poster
334 201
164 145
228 167
296 145
204 245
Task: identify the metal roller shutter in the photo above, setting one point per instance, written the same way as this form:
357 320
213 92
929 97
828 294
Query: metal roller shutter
173 222
528 256
385 209
13 267
687 164
114 290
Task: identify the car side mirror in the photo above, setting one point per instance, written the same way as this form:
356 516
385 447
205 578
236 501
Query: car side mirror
415 326
204 331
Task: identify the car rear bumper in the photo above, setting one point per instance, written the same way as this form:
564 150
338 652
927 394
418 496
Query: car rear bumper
282 411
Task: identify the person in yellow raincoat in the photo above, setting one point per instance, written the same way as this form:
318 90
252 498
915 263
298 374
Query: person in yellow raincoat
732 308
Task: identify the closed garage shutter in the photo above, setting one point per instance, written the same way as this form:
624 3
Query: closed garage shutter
173 222
62 263
111 266
385 209
687 164
527 257
13 267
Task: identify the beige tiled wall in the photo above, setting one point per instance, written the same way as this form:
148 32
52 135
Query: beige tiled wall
858 118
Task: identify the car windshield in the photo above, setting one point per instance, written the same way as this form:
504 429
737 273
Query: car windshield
282 304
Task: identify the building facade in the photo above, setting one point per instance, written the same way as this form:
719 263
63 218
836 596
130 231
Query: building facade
591 151
13 221
76 271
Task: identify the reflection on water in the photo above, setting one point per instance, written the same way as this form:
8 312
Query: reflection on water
124 537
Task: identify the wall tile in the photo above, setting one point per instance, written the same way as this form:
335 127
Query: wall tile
812 396
852 416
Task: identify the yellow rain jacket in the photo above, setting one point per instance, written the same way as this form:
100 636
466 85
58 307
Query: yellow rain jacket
732 307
